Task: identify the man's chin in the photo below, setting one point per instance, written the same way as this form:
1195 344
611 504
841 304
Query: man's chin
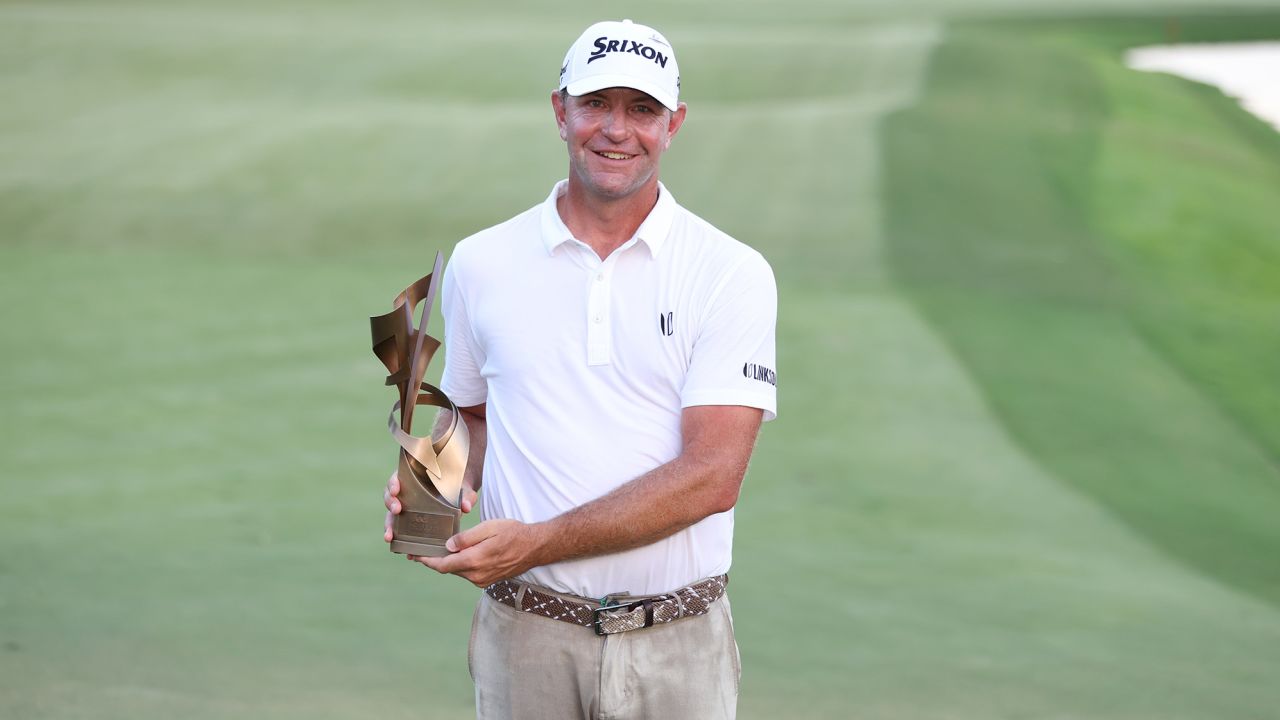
615 188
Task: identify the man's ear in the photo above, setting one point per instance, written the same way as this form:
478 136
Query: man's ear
557 105
676 122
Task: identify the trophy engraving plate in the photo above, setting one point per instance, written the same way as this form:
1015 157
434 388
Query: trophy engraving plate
430 468
428 524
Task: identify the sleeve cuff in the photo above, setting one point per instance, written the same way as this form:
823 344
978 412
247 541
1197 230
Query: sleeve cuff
767 402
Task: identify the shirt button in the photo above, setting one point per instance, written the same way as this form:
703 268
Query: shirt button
599 319
600 277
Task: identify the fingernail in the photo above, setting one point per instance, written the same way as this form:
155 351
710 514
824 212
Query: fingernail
450 545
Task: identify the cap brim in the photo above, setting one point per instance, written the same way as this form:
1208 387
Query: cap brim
600 82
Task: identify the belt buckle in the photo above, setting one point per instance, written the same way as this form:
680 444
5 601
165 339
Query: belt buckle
596 620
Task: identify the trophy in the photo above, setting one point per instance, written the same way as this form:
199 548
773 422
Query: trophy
430 468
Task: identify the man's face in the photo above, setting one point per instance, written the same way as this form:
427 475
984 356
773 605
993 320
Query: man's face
616 137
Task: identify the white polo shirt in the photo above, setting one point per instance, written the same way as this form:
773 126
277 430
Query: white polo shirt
585 365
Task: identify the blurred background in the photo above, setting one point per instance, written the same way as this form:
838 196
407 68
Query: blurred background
1027 463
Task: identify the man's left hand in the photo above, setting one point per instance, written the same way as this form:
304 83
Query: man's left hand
491 551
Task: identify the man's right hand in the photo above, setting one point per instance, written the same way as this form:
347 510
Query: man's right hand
393 504
390 498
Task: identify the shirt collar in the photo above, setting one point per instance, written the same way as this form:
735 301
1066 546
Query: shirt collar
652 232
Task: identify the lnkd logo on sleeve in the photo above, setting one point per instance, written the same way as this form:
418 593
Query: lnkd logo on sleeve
752 371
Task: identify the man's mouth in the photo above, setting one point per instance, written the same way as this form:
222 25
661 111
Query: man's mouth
614 155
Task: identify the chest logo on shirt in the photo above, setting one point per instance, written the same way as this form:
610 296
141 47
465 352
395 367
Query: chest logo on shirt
667 323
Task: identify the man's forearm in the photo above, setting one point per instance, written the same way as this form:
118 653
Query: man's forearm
655 505
703 480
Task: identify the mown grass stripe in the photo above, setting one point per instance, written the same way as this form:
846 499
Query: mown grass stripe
1007 264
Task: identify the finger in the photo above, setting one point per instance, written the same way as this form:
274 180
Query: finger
461 541
472 536
468 499
445 563
387 535
426 561
393 484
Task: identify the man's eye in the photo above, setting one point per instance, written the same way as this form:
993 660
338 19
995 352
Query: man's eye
644 109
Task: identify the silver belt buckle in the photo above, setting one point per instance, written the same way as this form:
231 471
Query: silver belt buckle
597 621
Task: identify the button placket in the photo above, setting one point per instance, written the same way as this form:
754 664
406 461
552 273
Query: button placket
599 332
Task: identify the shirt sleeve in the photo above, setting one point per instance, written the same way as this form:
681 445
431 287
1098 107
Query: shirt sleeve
734 359
463 358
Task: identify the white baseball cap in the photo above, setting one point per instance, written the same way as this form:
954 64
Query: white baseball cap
622 54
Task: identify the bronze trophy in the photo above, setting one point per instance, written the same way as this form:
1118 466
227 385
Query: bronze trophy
430 468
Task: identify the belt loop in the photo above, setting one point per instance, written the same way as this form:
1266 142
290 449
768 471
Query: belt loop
520 588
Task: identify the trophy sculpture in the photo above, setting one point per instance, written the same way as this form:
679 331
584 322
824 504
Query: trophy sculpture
430 469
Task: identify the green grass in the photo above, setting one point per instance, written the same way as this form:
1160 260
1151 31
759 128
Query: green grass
1003 484
1201 252
1109 278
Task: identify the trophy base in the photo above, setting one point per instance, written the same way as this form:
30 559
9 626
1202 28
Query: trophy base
424 533
421 549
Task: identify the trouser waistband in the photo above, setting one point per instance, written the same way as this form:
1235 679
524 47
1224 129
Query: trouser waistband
606 616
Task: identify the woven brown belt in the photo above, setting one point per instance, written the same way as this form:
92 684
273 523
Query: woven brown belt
612 615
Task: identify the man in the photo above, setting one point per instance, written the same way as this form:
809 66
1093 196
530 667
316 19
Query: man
612 355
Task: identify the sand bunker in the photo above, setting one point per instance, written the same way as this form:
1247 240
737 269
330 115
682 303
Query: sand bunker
1249 72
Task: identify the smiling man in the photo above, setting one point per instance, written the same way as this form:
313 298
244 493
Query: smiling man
612 355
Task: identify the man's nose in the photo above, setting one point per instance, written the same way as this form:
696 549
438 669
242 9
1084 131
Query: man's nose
615 125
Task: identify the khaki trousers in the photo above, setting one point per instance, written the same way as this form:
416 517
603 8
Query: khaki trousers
529 667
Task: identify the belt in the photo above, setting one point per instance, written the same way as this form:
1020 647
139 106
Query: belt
611 615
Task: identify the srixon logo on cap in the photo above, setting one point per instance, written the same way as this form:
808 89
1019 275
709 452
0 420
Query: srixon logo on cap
604 45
